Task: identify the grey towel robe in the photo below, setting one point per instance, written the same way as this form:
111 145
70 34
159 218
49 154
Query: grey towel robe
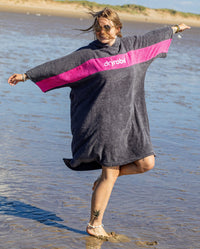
109 121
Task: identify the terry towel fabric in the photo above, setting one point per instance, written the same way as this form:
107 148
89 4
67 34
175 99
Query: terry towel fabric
109 120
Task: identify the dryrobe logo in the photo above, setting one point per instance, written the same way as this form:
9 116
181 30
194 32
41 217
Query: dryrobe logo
115 62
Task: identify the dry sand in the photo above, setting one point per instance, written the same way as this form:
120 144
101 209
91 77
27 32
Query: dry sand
48 7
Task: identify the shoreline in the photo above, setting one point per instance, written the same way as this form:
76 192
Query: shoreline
50 8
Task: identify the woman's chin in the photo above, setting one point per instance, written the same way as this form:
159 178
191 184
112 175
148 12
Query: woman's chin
104 40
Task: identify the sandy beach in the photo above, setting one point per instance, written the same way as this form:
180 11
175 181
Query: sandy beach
48 7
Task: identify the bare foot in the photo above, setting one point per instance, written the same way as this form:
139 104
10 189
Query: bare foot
97 232
95 183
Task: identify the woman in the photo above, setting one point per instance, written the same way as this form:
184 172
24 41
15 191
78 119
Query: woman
109 120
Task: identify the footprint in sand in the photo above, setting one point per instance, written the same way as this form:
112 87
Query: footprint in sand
146 243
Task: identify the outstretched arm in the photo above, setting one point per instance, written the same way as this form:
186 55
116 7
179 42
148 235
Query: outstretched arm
57 73
16 78
180 28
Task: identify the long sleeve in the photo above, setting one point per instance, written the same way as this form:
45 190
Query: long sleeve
154 37
152 44
57 73
87 61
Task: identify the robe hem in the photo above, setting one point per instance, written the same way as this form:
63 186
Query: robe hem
94 165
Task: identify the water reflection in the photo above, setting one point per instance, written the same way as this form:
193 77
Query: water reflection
93 243
35 136
20 209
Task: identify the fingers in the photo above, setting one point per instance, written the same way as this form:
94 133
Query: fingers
11 79
14 79
180 28
183 27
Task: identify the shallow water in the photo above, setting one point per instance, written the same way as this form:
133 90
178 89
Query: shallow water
45 205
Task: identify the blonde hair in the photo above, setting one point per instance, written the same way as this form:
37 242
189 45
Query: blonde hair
105 13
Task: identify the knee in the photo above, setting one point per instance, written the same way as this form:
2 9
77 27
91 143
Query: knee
149 165
110 174
146 164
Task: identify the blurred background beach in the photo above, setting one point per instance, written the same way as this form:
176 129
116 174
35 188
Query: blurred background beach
45 205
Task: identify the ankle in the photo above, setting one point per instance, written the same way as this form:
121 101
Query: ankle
95 222
97 231
97 226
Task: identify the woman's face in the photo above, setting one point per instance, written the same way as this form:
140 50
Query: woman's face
106 31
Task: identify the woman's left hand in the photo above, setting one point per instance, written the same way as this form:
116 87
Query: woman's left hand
180 28
183 27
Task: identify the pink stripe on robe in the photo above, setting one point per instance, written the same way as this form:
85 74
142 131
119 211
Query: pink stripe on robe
93 66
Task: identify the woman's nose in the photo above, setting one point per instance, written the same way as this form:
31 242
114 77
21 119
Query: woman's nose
102 31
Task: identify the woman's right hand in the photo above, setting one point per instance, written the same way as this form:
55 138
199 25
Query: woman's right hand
15 78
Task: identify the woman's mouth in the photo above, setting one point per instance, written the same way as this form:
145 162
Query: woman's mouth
103 37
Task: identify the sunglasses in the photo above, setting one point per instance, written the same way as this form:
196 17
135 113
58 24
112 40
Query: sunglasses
106 28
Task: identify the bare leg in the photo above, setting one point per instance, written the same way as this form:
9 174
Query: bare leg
103 187
137 167
100 198
96 182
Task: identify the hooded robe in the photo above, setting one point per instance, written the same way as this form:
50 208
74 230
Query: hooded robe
109 121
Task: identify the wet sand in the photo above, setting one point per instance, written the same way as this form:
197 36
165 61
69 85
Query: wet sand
43 204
